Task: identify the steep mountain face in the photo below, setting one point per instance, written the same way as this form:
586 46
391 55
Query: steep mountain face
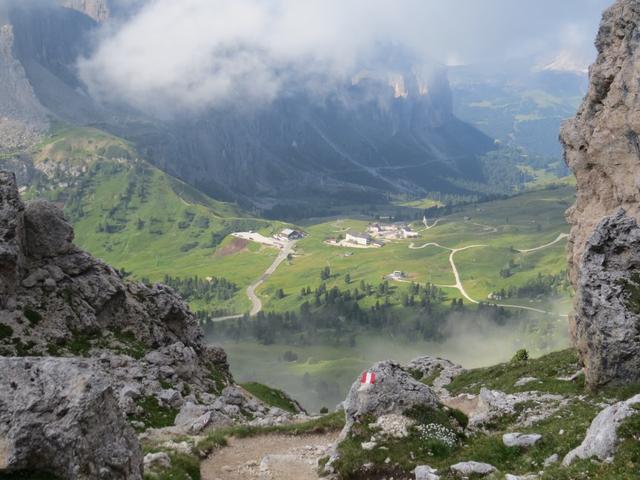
22 118
602 149
347 143
48 40
391 132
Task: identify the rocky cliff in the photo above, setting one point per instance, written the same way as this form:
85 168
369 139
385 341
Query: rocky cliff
603 151
22 118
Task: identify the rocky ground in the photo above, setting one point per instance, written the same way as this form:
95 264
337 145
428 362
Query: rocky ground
524 419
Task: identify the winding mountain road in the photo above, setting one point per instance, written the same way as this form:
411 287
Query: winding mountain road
460 287
256 303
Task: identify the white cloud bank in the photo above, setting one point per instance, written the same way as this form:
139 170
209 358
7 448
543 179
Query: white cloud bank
195 54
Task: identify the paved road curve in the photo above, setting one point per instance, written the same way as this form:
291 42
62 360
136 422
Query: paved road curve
256 303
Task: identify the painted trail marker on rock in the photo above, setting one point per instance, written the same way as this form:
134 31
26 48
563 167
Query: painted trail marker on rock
368 378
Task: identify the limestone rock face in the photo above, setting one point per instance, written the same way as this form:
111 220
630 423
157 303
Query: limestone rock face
603 150
10 258
60 415
607 322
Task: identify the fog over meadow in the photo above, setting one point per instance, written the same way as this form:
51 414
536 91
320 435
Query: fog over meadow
471 342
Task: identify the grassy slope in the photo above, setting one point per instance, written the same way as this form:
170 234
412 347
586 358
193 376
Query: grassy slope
525 221
271 396
560 432
159 224
150 241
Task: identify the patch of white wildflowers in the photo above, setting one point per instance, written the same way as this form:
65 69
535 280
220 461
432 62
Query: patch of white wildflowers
435 431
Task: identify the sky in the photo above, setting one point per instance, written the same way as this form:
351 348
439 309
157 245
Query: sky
197 54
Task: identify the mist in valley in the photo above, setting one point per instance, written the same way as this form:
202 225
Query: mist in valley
321 375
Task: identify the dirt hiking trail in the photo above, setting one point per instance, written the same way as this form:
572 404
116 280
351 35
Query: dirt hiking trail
269 457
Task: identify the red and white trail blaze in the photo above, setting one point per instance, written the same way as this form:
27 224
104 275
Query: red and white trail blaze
368 378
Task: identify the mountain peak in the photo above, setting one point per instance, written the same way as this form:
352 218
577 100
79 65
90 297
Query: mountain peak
96 9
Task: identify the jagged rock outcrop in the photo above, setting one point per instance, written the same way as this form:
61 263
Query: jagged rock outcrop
439 370
60 416
10 258
607 315
58 300
602 149
61 295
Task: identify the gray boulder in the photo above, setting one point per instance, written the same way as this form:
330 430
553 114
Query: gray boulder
520 439
425 472
394 391
156 461
59 415
443 371
608 302
492 404
47 232
601 438
466 469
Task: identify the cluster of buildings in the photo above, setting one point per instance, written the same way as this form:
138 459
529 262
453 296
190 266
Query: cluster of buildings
359 238
397 231
290 234
380 231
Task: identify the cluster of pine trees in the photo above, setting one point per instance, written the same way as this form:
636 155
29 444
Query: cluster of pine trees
335 317
541 285
210 289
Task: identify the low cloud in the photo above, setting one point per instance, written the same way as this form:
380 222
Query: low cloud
197 54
